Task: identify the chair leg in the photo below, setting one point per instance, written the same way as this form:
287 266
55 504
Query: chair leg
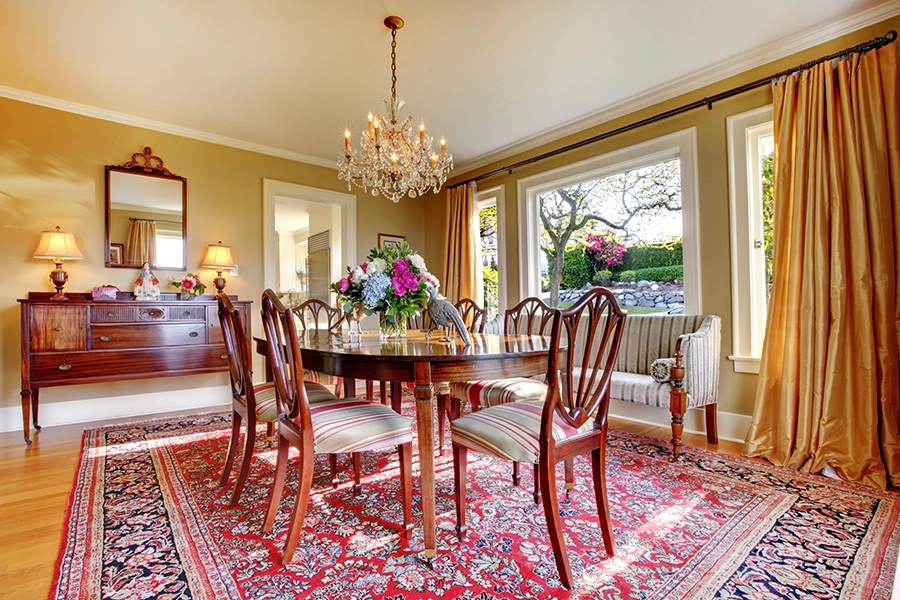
232 448
459 480
455 408
570 476
598 464
270 431
442 410
547 476
299 513
536 494
277 483
249 443
396 396
712 428
382 386
405 451
357 470
332 464
515 474
370 390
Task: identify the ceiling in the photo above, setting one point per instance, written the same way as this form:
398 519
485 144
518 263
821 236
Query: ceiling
285 77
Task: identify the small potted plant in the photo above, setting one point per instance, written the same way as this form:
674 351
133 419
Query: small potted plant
190 286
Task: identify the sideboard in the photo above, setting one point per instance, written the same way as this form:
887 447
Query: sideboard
81 340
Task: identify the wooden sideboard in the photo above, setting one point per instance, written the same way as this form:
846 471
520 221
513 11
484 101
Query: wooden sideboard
81 340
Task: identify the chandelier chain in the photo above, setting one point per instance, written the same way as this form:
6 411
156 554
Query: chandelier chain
393 68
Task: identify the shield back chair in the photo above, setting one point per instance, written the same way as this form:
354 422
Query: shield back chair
570 421
250 403
531 316
314 314
346 425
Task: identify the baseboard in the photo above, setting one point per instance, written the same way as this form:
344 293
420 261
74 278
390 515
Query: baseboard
732 426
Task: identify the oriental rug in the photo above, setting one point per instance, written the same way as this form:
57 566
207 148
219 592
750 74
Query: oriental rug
147 519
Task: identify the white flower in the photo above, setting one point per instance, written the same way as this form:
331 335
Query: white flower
418 262
430 279
357 275
378 265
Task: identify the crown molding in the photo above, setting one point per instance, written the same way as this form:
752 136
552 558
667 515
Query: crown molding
694 81
125 119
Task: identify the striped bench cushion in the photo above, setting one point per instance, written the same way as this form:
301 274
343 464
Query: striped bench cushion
510 431
640 389
267 407
353 425
491 392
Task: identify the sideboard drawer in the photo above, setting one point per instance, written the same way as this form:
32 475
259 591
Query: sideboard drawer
123 337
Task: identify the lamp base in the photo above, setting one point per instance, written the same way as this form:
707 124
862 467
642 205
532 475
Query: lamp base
59 279
219 282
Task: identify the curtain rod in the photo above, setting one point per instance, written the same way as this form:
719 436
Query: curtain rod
873 44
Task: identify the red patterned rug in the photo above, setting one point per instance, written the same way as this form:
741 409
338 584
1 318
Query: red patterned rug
148 520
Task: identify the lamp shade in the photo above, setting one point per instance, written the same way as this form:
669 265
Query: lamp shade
58 246
218 257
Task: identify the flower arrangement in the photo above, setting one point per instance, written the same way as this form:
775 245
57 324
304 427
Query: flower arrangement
393 282
189 285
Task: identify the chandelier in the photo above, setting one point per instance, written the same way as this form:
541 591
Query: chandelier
394 161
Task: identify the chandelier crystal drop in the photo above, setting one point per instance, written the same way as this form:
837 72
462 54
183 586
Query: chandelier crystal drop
394 161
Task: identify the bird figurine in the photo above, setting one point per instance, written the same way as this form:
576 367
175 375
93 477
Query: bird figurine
444 314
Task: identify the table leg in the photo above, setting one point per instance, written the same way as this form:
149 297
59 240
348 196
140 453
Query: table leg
349 387
424 392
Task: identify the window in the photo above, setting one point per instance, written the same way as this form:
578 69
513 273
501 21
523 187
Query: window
751 147
677 149
492 252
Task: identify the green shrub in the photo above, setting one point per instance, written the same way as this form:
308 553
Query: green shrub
627 277
603 278
577 269
491 289
670 273
646 256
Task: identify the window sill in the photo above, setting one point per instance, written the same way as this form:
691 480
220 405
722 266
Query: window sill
745 364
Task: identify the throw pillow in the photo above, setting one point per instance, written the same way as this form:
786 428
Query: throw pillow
661 369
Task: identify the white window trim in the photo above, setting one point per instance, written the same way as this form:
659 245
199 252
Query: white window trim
747 313
681 145
497 195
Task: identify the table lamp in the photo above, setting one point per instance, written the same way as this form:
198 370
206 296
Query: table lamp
58 246
218 257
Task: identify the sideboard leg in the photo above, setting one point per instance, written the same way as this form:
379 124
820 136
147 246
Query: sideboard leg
26 415
35 395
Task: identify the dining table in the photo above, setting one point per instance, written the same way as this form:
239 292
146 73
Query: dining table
422 360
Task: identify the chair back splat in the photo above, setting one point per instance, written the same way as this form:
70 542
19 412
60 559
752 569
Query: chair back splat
236 346
287 365
472 315
531 316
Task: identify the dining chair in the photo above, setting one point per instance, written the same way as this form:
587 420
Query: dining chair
249 403
317 315
569 421
345 425
531 316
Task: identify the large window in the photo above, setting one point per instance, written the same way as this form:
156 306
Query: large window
751 150
647 188
492 252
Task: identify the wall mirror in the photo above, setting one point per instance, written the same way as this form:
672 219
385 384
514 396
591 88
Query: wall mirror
146 215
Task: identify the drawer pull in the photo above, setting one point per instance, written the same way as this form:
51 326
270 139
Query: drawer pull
186 313
105 338
111 314
57 328
65 367
193 334
223 356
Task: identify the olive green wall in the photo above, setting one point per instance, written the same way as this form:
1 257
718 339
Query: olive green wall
52 173
737 391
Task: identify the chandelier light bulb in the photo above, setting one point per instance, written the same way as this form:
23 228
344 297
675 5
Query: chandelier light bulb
394 161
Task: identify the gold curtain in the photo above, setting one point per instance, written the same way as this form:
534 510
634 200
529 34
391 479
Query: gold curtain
140 246
462 272
829 393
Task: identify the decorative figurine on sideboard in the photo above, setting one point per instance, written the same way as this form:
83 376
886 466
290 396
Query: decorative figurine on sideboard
146 286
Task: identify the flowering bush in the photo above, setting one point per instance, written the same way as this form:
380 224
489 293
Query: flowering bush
393 281
189 283
606 248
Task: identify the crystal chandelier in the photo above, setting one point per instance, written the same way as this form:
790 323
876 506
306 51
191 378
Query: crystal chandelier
394 161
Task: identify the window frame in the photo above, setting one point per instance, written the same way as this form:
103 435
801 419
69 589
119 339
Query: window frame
748 303
680 144
496 196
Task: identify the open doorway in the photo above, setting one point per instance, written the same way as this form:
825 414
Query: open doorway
306 229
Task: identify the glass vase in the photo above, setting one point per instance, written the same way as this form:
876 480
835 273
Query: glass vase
391 327
186 295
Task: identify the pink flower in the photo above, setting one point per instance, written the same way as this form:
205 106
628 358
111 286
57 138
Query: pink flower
344 284
187 283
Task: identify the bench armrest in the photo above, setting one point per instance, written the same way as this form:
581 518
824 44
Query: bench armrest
697 357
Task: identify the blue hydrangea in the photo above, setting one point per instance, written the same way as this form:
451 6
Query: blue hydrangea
375 288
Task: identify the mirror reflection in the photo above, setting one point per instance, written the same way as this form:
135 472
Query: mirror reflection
145 217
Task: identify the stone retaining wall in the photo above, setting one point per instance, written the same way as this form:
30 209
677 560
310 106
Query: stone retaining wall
644 294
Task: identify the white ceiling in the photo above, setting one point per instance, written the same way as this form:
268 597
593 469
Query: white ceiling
287 76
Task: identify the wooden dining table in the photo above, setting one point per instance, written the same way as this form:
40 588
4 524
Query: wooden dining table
421 361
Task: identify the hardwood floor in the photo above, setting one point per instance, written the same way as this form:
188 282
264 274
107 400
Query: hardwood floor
34 490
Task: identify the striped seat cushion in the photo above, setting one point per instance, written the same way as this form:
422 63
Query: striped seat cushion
353 425
324 379
267 407
491 392
510 431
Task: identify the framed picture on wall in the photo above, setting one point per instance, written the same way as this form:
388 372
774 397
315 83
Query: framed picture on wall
388 239
116 251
